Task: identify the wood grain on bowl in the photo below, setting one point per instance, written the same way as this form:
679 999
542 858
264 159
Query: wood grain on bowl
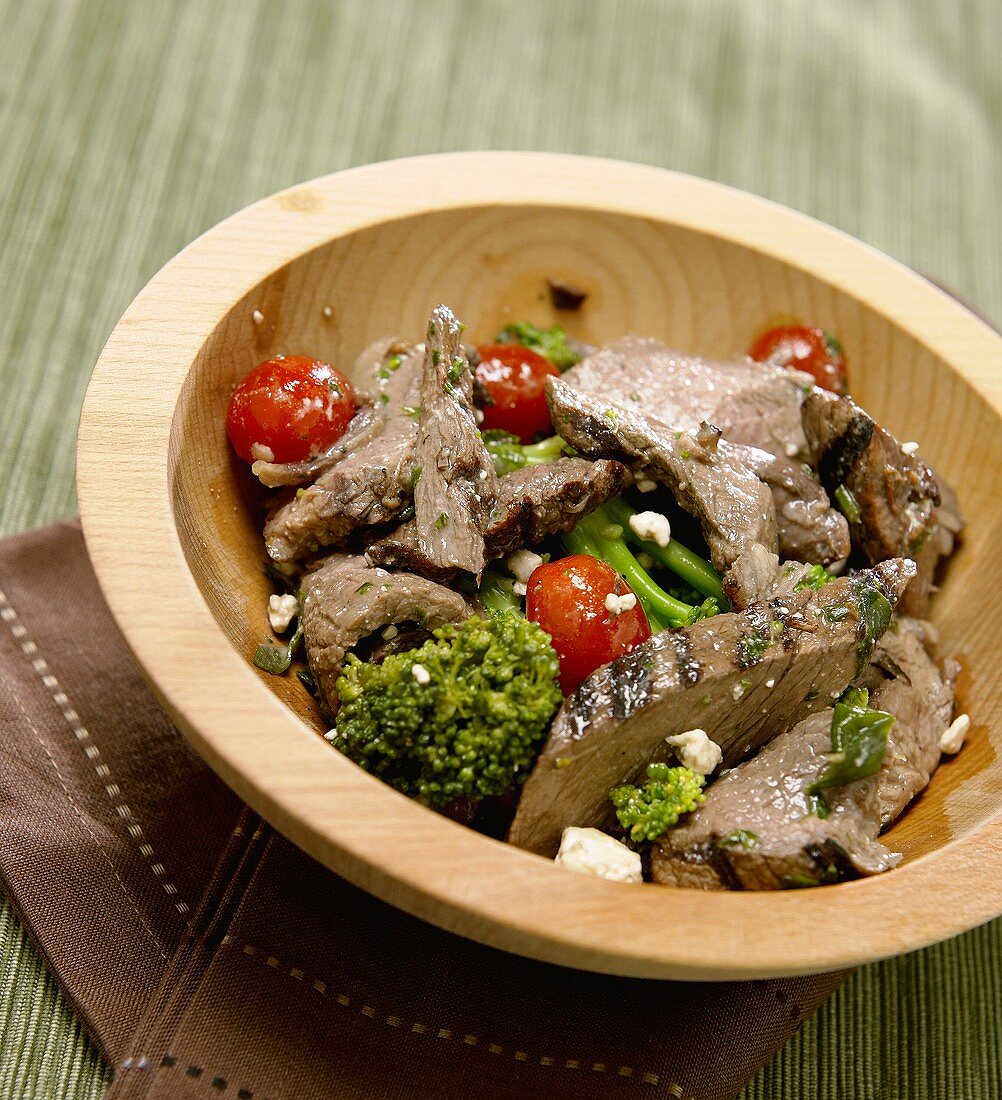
323 269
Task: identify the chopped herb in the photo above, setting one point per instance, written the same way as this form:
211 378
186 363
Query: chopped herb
406 513
456 370
686 453
816 577
797 881
831 343
817 805
442 522
678 435
740 838
436 357
859 741
875 612
412 410
835 613
432 331
848 505
276 659
778 626
335 389
706 700
745 685
562 762
635 396
363 588
752 647
919 541
393 363
421 617
300 493
806 390
612 414
415 476
384 398
305 677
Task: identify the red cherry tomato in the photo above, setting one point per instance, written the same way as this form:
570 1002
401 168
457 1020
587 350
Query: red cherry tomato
515 378
801 348
293 405
567 599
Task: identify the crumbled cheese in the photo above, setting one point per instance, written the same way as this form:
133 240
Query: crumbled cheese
792 450
519 588
390 632
420 673
615 605
737 691
953 739
651 525
910 448
478 415
695 750
593 852
523 563
327 311
262 453
645 485
330 735
281 611
770 683
257 317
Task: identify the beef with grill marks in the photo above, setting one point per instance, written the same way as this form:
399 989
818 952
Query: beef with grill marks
742 677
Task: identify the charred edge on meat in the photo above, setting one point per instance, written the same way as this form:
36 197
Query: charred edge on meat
832 861
719 862
842 454
689 669
629 684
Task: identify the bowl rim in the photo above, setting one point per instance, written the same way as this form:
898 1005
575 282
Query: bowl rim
413 858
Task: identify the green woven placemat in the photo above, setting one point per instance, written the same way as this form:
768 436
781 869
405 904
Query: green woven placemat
128 127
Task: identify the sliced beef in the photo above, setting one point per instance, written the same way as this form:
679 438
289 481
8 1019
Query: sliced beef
369 484
948 522
895 491
810 529
758 828
456 484
741 677
734 508
346 600
371 375
533 502
753 403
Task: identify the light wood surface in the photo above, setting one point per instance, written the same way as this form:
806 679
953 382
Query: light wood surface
171 525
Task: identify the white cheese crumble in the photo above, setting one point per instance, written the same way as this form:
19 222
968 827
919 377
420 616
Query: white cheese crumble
770 683
262 453
596 853
695 750
792 450
330 735
420 673
281 611
523 564
910 447
953 738
520 588
390 632
737 691
257 317
327 311
616 605
653 526
645 485
478 415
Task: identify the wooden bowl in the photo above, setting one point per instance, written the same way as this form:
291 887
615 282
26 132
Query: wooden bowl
325 267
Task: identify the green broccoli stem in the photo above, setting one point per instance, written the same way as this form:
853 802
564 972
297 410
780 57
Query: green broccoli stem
590 537
690 567
497 595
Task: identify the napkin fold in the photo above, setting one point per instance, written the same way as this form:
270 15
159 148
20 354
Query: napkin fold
209 957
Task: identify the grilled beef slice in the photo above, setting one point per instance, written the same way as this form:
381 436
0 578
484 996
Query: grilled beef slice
371 377
896 492
948 522
734 508
758 828
369 484
533 502
346 600
456 484
743 677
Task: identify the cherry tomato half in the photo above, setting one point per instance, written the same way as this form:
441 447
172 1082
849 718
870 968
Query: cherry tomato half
293 405
515 378
801 348
567 598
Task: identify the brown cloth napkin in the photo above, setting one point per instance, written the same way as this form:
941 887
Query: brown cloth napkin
209 957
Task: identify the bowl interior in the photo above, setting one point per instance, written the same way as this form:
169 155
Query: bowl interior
699 293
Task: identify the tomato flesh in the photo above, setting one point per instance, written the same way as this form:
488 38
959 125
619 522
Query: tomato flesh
811 350
515 379
567 598
293 405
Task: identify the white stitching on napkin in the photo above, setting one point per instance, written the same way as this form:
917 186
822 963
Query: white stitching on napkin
371 1013
91 751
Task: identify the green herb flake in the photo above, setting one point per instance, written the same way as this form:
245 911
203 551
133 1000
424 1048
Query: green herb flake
831 343
363 588
305 677
836 613
859 741
277 659
436 357
816 577
412 410
612 414
415 476
752 647
384 398
740 838
797 881
848 505
686 453
442 521
875 613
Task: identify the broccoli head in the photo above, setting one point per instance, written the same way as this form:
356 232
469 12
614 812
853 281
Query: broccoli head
461 717
649 811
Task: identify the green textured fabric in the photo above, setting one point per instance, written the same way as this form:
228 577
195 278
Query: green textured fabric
128 127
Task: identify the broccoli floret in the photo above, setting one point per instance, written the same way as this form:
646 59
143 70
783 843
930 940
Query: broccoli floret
497 594
551 343
651 810
508 454
816 577
604 532
461 717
